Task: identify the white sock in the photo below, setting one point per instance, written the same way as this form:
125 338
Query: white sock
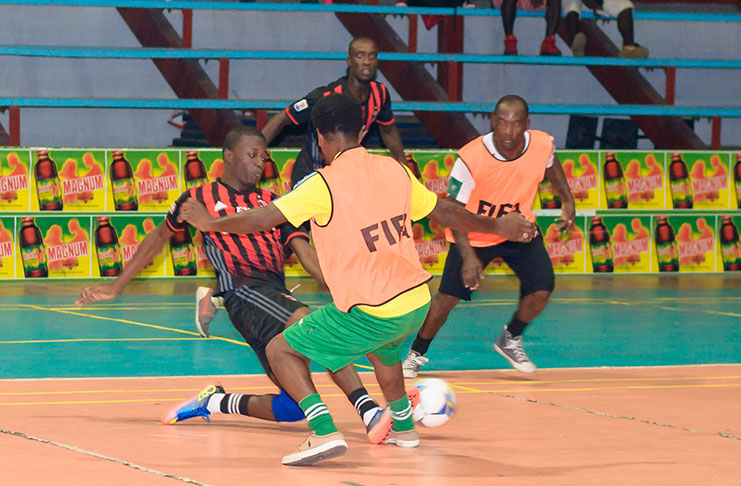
367 416
214 402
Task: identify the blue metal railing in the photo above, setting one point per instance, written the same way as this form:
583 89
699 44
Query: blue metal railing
353 8
172 53
463 107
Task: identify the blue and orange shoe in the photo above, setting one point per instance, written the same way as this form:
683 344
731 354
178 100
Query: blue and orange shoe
192 407
379 428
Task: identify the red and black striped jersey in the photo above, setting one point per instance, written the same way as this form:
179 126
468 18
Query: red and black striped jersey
256 256
377 108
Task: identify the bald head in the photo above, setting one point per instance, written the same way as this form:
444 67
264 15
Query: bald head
358 41
511 101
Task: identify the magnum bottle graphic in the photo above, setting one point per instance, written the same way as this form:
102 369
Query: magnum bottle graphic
194 171
680 183
181 251
106 245
615 192
666 246
123 184
33 252
47 182
729 244
413 166
549 199
737 179
599 246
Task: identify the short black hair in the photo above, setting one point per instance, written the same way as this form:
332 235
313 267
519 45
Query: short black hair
357 39
237 132
511 99
337 114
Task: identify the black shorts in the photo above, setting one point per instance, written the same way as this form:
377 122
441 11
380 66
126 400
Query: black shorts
259 313
529 261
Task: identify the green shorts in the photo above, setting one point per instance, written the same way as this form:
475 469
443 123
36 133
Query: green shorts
335 339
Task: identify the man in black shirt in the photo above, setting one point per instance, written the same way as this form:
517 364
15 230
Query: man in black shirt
362 62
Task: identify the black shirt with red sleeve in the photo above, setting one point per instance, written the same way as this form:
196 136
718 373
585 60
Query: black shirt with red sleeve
377 108
239 259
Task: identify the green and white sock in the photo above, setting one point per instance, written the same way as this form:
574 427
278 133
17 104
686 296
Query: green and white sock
317 415
401 412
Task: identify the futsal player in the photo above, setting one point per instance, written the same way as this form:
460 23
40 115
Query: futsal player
249 270
361 209
497 174
362 64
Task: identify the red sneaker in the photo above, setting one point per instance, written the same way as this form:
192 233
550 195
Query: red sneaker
548 47
510 45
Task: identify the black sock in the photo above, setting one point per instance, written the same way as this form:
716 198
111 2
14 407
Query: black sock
362 402
234 403
421 345
516 326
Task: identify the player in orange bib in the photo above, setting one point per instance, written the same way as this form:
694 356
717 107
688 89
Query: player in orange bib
495 175
361 207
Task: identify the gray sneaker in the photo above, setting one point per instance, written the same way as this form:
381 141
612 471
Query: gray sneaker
317 448
511 348
413 362
407 438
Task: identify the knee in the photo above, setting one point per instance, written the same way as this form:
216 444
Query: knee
285 408
540 297
443 303
276 345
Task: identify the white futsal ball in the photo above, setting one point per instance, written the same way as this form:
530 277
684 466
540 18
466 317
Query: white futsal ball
436 403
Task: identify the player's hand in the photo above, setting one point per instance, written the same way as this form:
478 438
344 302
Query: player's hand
472 272
516 227
95 293
568 215
195 214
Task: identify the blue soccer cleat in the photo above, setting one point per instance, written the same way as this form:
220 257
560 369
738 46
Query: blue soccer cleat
192 407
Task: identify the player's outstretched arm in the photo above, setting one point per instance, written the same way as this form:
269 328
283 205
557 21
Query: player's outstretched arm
513 226
152 244
392 140
274 126
307 256
557 178
252 221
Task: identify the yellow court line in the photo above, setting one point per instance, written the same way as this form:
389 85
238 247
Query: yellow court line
153 326
682 309
605 388
465 388
269 387
592 380
475 303
141 324
84 340
515 390
113 305
457 385
95 402
697 299
134 308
